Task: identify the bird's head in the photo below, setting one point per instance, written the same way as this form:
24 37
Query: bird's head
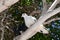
24 14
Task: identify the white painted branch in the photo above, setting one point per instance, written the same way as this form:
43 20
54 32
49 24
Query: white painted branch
6 4
37 26
44 7
48 15
10 2
51 20
2 8
53 5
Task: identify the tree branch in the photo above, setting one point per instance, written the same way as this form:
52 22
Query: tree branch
44 7
53 5
51 21
7 4
37 26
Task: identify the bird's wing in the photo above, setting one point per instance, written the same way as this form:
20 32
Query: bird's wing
33 18
29 20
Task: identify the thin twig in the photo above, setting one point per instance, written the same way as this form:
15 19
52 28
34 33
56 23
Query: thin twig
3 27
9 28
53 5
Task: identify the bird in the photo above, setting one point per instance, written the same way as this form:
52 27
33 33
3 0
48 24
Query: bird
29 20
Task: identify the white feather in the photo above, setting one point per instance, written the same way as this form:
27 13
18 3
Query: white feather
29 20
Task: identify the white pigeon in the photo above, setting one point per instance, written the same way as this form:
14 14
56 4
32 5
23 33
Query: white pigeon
29 20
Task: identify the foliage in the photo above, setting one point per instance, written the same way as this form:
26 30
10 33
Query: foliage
28 6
